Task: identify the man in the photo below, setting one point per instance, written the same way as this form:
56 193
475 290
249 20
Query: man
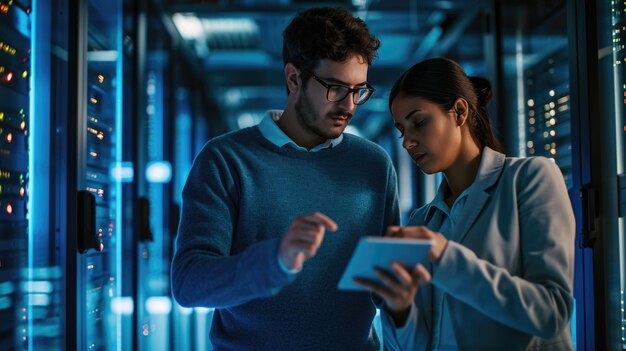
272 213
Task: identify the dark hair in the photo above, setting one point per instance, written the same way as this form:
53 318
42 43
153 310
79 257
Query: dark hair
326 33
443 81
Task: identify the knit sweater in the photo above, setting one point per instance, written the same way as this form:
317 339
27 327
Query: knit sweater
239 200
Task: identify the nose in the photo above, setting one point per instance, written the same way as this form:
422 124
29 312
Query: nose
408 143
347 104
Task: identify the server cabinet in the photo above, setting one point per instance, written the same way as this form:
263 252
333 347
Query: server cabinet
614 32
156 133
15 42
73 144
100 303
84 87
605 213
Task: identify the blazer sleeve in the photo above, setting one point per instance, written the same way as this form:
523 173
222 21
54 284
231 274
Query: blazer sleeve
204 273
540 301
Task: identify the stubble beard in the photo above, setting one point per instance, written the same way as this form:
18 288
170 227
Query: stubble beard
307 118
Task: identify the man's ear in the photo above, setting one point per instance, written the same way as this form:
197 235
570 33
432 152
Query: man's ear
292 76
462 111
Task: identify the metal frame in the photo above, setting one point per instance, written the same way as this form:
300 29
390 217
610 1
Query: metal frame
76 125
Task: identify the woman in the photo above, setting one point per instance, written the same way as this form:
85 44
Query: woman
501 268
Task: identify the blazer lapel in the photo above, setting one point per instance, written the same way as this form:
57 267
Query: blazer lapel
475 203
491 165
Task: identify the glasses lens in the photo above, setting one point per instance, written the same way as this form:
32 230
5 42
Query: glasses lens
362 95
337 92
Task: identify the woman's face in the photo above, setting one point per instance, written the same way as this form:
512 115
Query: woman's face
431 135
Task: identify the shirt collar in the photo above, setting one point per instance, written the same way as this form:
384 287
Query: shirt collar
270 130
440 203
489 170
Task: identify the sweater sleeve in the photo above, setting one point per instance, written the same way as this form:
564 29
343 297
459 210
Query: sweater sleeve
540 301
392 210
204 272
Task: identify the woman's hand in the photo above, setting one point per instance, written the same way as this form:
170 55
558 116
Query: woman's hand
398 289
399 286
440 241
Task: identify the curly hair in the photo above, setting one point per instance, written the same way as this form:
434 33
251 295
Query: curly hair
326 33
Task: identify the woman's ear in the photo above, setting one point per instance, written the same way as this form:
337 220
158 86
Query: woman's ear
462 111
293 78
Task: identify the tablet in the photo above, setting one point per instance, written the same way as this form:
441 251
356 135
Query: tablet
374 251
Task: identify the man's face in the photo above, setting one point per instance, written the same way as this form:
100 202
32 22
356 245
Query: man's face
320 117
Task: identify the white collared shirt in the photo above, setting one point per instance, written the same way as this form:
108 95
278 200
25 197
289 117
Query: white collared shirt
270 130
443 338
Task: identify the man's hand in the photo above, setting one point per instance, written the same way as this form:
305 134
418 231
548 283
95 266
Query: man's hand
303 239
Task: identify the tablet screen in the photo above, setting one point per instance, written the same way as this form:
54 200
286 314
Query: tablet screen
374 251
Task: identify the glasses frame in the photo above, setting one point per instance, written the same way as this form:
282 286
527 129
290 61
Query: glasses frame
353 91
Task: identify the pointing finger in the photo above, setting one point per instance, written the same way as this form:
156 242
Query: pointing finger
323 220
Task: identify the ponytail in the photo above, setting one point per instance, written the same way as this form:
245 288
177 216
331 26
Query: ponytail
482 128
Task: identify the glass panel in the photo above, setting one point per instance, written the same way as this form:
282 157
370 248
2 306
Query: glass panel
45 283
548 126
183 121
546 90
100 271
155 252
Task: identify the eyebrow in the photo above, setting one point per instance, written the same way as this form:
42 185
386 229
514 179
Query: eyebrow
333 80
408 115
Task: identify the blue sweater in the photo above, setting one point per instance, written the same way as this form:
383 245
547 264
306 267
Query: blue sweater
240 198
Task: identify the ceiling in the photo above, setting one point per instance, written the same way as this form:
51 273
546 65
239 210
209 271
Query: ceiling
237 46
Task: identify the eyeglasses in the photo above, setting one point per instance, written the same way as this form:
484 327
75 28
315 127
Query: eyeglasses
338 92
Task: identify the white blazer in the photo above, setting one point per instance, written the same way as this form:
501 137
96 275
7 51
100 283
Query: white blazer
508 269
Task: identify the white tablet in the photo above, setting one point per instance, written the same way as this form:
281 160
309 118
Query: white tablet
374 251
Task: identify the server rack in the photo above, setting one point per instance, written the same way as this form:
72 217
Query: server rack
67 152
96 305
605 213
548 122
15 42
156 128
618 39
